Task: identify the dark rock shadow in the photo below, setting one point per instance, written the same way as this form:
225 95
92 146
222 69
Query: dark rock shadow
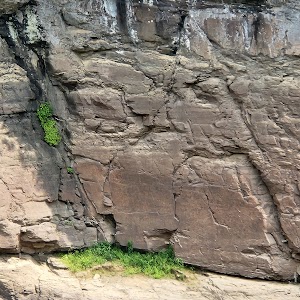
41 207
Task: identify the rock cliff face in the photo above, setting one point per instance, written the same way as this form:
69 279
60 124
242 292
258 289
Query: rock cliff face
179 118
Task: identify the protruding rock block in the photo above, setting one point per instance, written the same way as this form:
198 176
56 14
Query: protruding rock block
141 190
223 204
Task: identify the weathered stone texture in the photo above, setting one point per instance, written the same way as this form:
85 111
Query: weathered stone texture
229 206
10 6
180 120
32 174
141 191
46 278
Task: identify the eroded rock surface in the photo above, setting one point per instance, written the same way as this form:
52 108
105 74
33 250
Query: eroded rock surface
180 120
27 278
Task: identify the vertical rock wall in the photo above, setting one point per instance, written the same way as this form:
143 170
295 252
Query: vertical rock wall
180 119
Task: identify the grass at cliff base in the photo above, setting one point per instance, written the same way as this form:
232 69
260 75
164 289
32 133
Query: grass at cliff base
156 265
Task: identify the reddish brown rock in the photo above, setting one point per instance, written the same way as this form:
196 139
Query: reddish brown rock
180 119
9 237
99 103
119 75
141 190
233 213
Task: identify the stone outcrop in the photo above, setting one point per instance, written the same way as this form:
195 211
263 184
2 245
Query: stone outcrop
179 119
45 278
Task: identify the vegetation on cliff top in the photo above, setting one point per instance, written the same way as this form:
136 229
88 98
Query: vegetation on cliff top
155 265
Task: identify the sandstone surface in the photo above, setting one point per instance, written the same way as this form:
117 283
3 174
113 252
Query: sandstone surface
47 279
180 123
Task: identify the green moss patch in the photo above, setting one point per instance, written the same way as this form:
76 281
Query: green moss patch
51 133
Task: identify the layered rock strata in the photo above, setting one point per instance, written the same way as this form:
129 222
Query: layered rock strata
180 119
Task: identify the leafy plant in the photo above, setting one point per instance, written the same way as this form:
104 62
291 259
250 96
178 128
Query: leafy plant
51 133
156 265
70 170
44 112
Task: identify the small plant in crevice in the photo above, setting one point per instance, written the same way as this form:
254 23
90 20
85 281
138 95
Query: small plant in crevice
70 170
51 133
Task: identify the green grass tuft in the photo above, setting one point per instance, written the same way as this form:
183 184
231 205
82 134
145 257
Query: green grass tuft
70 170
51 133
155 265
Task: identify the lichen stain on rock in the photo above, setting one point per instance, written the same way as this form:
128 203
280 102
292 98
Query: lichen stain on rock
32 31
